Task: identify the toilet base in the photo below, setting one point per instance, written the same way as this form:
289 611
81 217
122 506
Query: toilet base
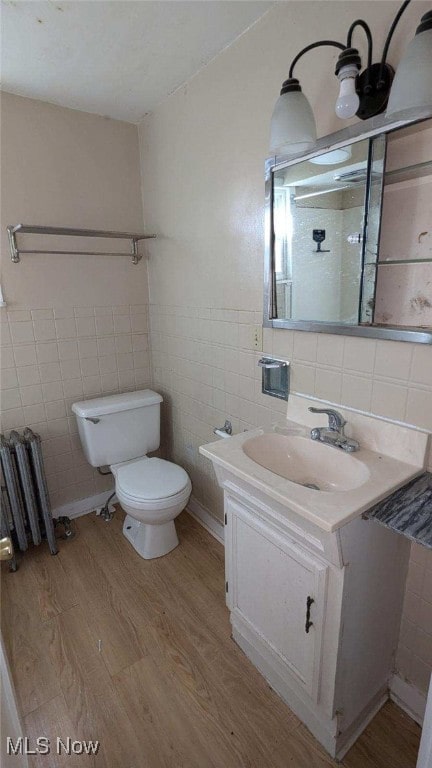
150 540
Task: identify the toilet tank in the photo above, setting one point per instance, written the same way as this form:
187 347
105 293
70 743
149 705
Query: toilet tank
119 427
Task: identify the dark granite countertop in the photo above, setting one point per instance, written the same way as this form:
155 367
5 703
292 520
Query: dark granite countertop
408 510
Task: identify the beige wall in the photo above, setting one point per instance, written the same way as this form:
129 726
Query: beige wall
202 159
74 326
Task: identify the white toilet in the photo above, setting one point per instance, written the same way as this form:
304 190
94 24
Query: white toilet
119 431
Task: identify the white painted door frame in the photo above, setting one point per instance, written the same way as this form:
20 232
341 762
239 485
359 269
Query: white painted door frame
10 717
425 752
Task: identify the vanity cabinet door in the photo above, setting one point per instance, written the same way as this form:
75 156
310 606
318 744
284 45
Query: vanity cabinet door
277 590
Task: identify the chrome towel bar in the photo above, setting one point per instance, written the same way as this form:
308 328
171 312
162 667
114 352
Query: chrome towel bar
30 229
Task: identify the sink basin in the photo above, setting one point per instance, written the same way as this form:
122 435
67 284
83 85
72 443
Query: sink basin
306 462
294 475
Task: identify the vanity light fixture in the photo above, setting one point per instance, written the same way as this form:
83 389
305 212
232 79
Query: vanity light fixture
364 94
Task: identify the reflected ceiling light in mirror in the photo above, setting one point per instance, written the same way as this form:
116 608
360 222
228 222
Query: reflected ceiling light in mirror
412 86
364 94
333 157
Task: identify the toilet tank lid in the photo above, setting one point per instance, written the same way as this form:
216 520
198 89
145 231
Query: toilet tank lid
101 406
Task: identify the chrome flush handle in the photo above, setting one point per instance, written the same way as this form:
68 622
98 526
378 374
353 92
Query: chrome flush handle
92 419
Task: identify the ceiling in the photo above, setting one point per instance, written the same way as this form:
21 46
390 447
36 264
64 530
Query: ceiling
110 57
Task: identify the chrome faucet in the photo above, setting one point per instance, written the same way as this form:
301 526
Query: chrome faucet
333 434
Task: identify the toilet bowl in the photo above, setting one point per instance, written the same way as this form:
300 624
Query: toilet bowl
119 431
152 492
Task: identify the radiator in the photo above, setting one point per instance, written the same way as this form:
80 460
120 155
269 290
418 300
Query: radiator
26 510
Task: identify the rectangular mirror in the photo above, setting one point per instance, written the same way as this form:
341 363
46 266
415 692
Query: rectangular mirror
349 234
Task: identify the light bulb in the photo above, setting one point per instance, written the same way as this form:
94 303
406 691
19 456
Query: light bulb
348 101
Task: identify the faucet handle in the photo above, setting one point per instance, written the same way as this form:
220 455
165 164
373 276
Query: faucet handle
336 420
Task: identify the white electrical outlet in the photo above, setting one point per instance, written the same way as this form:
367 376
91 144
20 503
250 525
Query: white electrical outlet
257 337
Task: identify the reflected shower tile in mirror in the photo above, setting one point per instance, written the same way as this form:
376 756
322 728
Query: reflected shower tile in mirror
318 225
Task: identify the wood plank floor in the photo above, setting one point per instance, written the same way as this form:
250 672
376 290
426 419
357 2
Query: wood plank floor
137 654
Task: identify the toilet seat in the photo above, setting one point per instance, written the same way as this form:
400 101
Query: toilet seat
151 483
155 507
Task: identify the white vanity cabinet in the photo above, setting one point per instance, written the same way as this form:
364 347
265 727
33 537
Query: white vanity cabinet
317 613
277 589
315 590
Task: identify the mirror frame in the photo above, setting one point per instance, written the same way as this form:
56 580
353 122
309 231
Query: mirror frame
368 129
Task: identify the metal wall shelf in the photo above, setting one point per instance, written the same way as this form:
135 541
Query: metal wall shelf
396 262
408 173
30 229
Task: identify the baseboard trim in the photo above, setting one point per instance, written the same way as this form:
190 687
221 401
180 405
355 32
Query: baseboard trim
82 506
206 519
408 698
361 722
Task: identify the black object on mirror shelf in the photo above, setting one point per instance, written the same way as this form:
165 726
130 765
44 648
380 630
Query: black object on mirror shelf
319 235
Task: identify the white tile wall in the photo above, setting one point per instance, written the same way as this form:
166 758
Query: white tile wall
205 366
51 357
414 656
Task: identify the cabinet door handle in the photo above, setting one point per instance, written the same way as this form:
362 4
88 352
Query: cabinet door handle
309 623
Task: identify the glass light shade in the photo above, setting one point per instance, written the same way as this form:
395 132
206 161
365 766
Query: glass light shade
412 85
292 126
